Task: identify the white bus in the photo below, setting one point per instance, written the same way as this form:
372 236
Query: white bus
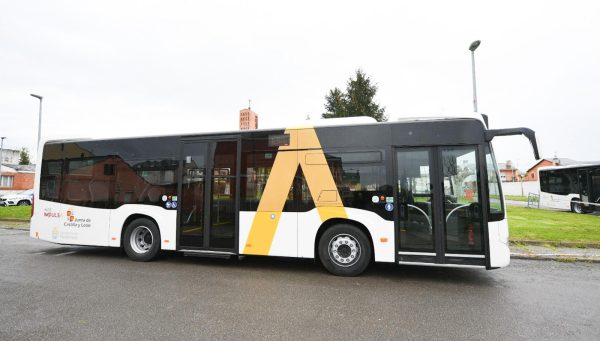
574 187
416 192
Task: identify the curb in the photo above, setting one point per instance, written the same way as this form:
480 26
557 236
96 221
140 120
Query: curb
556 244
559 257
13 220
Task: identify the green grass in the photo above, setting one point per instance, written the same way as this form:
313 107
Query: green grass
15 212
552 226
516 197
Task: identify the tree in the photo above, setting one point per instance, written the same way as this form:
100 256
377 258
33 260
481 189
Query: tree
335 104
356 101
24 157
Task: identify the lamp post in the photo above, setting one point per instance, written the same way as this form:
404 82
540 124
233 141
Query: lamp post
1 152
472 48
39 120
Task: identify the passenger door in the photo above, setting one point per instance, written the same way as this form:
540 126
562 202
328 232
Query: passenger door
439 215
208 212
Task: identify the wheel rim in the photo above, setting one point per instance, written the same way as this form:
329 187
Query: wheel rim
577 207
344 250
141 239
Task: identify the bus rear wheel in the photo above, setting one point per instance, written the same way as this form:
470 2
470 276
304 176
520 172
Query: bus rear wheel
577 207
141 240
344 250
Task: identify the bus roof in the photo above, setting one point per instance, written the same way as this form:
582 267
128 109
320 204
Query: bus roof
581 165
330 122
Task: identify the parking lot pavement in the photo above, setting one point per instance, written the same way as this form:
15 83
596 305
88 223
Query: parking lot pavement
69 293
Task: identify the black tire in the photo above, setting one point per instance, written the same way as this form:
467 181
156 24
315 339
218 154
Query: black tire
23 203
577 207
141 240
353 250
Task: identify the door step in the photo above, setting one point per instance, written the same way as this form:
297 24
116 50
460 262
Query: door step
208 253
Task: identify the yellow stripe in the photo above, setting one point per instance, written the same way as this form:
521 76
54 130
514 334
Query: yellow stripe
271 203
320 184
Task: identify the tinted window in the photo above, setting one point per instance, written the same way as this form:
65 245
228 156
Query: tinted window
258 156
144 181
50 180
359 179
560 181
51 172
107 174
84 183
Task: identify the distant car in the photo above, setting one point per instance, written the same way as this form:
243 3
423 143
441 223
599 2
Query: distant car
19 199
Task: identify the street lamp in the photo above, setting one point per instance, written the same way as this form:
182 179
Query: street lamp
39 120
472 48
1 151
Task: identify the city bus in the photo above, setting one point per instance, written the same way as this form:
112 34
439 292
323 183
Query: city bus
575 188
345 192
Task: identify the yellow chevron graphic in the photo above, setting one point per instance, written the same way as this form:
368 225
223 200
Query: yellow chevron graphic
320 182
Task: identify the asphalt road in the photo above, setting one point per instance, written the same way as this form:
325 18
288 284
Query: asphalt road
51 291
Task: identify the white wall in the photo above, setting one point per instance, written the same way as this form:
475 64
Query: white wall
521 188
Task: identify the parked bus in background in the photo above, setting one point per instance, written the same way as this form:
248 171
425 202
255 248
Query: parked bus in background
345 191
575 187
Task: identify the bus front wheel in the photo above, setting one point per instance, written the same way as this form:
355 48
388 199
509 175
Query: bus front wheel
344 250
141 240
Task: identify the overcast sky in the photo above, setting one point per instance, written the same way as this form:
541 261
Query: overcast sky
118 68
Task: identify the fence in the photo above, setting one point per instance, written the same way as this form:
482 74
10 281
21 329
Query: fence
521 188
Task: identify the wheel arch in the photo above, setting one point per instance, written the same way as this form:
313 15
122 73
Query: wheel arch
335 221
133 217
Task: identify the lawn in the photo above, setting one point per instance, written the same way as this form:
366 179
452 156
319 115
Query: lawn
535 224
515 197
15 212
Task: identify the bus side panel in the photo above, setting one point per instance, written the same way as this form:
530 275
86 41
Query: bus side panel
70 224
498 237
283 242
381 230
166 220
562 202
46 220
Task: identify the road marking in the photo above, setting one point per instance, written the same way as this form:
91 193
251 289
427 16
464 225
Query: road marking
40 253
65 253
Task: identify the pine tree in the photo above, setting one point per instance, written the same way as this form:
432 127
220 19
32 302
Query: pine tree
24 157
357 101
335 104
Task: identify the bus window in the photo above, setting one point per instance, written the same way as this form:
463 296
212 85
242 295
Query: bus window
359 176
50 179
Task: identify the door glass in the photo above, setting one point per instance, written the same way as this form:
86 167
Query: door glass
583 184
461 200
223 213
595 175
192 194
414 200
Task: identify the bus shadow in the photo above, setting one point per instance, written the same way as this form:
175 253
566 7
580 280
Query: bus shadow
288 266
